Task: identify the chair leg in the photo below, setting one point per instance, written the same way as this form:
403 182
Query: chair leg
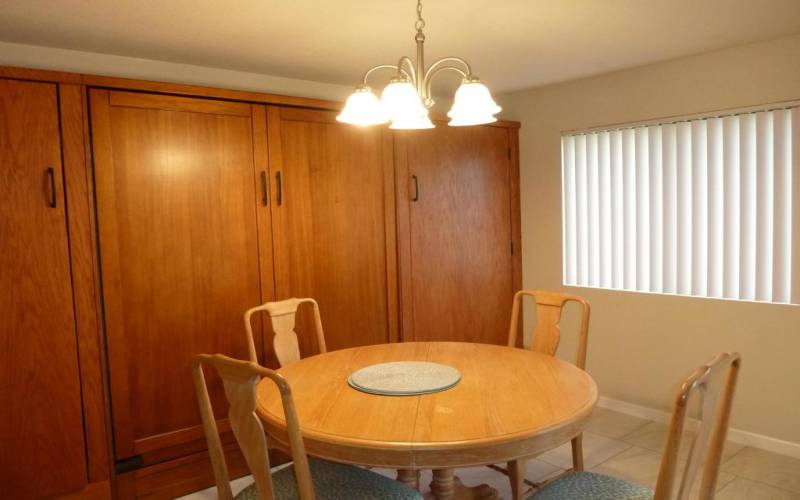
516 474
577 453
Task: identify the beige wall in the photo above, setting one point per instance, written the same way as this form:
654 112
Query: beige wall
641 345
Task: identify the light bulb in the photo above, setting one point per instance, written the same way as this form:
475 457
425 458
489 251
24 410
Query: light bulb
362 108
472 105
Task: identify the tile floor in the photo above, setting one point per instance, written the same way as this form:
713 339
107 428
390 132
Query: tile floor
630 448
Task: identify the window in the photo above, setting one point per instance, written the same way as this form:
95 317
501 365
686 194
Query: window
705 207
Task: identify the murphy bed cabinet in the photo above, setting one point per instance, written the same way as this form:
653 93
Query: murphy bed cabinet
140 220
457 232
333 212
53 439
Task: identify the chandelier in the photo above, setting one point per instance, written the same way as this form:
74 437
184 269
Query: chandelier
405 101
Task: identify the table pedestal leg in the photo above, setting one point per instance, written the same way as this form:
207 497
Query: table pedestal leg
516 474
446 486
409 477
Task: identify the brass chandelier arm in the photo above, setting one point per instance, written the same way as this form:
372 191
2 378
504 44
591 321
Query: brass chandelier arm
410 67
432 74
433 67
397 68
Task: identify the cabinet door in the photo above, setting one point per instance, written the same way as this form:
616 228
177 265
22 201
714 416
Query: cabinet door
41 427
180 216
334 217
455 233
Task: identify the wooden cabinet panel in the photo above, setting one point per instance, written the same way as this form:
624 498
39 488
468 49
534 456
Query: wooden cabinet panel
455 226
41 427
334 219
178 215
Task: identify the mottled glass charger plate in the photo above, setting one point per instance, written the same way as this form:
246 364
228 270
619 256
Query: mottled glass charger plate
404 378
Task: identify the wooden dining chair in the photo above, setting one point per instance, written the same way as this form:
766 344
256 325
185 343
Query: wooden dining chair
545 339
283 315
715 383
306 478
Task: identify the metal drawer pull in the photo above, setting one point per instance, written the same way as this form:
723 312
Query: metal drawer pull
264 190
279 187
51 176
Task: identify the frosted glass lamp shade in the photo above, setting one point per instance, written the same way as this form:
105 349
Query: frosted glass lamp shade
401 102
363 108
473 105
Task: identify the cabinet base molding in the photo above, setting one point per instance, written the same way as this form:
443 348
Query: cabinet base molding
177 477
93 491
184 475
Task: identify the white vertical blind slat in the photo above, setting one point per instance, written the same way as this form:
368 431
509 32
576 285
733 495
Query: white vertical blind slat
642 168
594 209
794 211
570 248
716 227
782 155
684 222
731 207
606 236
670 210
764 205
656 235
699 207
582 212
617 210
707 207
747 164
629 174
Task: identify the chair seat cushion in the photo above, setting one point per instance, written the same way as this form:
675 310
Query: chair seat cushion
592 486
334 481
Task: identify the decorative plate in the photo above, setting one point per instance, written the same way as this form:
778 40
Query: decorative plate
404 378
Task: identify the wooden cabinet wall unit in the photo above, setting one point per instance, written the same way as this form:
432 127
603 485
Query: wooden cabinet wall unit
52 421
334 218
179 207
183 236
458 226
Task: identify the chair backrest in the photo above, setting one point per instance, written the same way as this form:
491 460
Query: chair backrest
283 315
547 332
240 379
715 383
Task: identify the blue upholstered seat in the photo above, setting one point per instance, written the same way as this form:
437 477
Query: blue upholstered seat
591 486
334 481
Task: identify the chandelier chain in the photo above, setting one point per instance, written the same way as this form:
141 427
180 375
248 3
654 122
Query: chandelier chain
420 24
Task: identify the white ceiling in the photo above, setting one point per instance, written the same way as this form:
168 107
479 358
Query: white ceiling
511 44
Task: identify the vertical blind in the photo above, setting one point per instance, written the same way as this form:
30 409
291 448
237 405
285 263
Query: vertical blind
706 207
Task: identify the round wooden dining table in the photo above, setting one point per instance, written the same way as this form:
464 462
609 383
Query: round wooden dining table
510 404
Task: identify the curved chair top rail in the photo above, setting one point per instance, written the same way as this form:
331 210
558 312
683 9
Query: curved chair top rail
547 332
283 314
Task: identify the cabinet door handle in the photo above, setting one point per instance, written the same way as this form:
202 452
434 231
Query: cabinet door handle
264 190
51 177
415 180
279 187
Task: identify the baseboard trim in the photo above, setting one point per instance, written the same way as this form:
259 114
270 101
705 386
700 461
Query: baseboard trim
739 436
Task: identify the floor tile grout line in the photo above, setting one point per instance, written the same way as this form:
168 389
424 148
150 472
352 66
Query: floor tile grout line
615 454
764 484
622 438
726 460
